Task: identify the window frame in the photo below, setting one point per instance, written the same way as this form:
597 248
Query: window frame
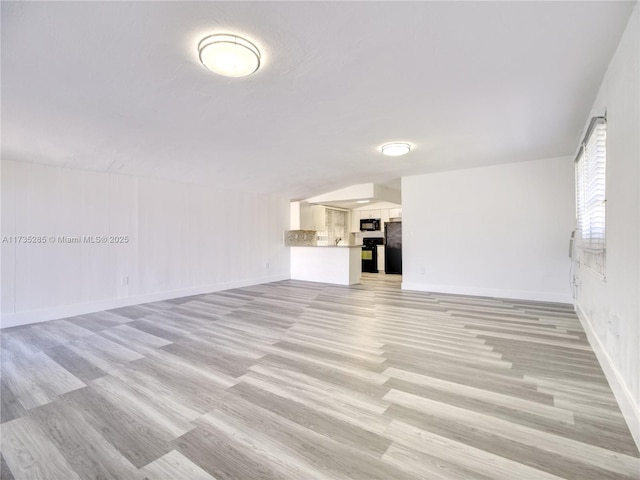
591 191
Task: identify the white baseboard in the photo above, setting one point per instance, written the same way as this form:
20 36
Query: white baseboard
65 311
630 410
490 292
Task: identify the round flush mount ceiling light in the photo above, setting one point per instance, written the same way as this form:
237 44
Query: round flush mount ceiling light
229 55
395 149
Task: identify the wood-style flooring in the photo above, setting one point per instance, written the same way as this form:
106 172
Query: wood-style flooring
296 380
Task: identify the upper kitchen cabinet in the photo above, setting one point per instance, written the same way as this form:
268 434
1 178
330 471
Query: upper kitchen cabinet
370 213
319 217
395 213
355 221
313 217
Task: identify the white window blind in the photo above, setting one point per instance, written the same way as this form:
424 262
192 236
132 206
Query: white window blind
591 168
337 226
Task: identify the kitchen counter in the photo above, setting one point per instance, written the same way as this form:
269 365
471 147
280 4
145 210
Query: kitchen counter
341 264
328 246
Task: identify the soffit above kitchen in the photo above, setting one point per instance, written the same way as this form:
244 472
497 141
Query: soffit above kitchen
118 87
357 196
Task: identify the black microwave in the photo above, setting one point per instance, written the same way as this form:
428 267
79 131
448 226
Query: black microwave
369 224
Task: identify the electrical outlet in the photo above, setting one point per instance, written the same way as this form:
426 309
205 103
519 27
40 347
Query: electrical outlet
614 325
267 266
124 280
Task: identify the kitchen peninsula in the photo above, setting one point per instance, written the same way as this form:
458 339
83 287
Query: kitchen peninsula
341 264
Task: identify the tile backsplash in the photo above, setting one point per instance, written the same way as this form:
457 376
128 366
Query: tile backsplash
300 238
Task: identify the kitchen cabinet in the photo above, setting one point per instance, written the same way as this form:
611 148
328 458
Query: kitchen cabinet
370 213
395 213
338 265
380 258
313 217
384 216
319 217
355 221
306 217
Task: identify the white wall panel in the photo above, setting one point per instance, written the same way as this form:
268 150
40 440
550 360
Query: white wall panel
7 227
496 231
610 308
184 239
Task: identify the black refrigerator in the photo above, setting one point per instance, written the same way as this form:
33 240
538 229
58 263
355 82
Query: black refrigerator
393 247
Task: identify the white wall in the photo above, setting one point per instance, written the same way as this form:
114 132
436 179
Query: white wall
610 309
184 239
493 231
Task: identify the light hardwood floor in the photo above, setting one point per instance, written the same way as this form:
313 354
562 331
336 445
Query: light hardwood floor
295 380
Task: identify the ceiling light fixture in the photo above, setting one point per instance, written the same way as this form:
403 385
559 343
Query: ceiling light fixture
395 149
362 201
229 55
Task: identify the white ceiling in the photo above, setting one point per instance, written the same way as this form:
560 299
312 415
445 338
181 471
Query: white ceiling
115 86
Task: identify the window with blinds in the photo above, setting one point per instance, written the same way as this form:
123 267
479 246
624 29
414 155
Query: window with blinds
591 169
337 226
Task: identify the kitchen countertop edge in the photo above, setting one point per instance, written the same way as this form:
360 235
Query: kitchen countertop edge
326 246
